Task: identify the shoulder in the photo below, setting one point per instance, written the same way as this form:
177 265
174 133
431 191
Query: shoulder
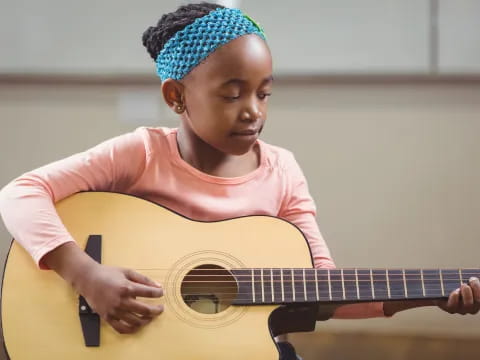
277 157
153 133
153 138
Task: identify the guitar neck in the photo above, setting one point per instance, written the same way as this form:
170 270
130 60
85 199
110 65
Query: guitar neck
287 286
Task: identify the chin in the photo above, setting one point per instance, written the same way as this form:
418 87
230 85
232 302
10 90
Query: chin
241 150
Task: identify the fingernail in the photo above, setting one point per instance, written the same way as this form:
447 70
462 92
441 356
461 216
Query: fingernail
473 278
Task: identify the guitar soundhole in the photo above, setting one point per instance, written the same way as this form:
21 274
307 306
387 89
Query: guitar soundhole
209 289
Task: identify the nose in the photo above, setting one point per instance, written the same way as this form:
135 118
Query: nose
252 112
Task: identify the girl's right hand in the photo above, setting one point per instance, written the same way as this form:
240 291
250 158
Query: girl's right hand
112 293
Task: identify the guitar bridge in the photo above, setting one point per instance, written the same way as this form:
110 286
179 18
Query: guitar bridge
89 320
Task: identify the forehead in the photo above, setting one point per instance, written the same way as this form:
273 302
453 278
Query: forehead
247 57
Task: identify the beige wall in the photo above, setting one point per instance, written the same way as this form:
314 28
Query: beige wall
393 168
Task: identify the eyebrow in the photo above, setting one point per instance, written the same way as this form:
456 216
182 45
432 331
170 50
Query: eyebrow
268 79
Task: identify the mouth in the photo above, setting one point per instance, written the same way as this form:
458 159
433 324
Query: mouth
247 132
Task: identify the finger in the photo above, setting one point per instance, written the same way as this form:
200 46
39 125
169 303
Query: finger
134 320
141 279
453 301
143 309
475 308
467 296
141 290
475 285
122 327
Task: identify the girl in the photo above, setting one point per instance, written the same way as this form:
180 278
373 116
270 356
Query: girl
216 72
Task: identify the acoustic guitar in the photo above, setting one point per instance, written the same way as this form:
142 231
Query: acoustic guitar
230 286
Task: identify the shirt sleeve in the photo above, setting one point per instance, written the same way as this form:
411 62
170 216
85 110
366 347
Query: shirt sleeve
299 208
27 203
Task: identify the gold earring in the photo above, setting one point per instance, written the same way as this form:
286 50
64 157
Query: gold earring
180 108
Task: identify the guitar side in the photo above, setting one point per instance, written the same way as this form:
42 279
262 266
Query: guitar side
40 311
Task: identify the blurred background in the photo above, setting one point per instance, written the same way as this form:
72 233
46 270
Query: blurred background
378 99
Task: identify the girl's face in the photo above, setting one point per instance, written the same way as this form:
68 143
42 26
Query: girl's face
226 95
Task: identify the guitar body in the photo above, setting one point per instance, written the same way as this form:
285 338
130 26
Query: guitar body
40 317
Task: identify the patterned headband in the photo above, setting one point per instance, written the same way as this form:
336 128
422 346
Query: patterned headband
191 45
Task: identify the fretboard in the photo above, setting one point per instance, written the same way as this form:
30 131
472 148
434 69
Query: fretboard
286 286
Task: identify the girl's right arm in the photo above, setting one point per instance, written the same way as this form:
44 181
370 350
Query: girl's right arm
28 210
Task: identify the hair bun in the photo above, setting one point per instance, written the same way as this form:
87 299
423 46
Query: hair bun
155 37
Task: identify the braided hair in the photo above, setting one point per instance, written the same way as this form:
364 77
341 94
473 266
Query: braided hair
155 37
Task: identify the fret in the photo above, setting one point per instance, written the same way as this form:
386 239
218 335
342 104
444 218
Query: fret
423 283
329 284
356 282
304 286
283 289
287 285
258 288
316 284
299 290
277 286
253 286
323 284
380 284
311 285
388 284
293 285
414 283
267 286
271 282
441 283
350 281
343 284
336 283
432 283
451 280
395 284
460 276
405 283
365 284
371 282
263 287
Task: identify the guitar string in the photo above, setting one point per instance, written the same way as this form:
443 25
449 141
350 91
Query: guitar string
350 292
400 281
333 278
431 289
336 295
312 269
350 289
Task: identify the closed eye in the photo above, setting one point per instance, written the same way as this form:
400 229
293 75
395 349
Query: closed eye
231 98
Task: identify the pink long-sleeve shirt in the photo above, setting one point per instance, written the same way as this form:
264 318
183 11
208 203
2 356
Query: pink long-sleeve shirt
146 163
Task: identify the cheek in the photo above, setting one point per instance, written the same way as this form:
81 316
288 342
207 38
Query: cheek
264 108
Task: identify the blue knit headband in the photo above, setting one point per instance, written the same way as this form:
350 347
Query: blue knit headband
191 45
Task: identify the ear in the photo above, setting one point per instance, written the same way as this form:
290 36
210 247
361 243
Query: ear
173 94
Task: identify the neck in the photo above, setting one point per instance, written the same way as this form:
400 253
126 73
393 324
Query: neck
283 286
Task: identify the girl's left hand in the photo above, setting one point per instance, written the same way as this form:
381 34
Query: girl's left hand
464 300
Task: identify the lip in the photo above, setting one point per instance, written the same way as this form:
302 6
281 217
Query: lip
246 132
